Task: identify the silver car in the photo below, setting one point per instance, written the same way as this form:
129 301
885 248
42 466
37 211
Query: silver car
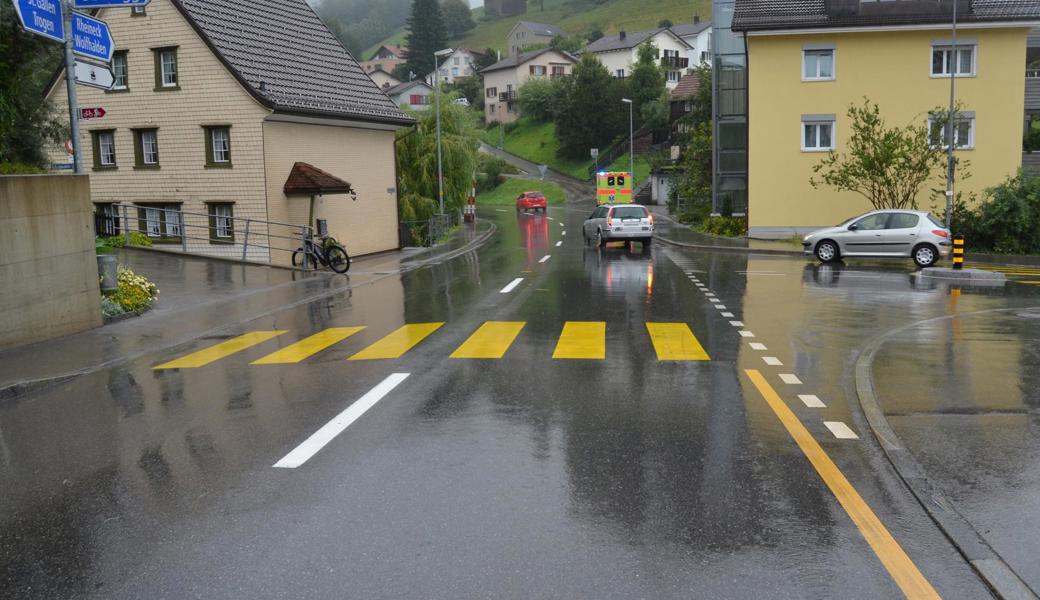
618 222
883 233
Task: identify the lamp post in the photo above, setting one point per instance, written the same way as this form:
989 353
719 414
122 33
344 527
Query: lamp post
440 169
951 142
631 144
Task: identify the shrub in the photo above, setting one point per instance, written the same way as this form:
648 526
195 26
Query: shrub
135 291
110 308
118 241
724 226
1007 220
490 172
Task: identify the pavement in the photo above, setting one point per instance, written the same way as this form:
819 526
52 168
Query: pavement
530 417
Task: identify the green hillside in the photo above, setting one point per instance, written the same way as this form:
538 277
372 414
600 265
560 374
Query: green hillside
575 17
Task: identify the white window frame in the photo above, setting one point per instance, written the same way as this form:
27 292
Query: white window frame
152 221
225 148
674 76
946 47
961 117
116 71
809 49
111 151
172 72
815 122
222 217
619 73
172 218
154 150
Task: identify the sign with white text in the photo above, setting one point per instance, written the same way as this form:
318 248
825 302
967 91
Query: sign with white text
42 17
91 38
107 3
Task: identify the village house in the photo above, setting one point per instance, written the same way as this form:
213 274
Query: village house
698 36
525 34
503 79
416 95
620 52
460 63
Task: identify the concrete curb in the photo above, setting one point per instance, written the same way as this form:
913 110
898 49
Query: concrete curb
730 249
996 573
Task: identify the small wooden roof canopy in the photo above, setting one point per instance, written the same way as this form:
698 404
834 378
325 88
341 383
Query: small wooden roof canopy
310 180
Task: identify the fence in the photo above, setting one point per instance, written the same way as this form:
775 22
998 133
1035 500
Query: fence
429 232
213 233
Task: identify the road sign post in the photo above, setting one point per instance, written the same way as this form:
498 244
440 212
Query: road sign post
70 86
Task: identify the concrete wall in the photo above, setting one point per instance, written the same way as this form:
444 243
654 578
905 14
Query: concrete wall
48 270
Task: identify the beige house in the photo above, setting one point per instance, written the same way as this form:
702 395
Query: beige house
383 79
525 34
216 104
460 63
503 79
620 52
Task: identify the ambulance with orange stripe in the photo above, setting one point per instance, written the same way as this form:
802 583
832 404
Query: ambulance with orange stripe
613 188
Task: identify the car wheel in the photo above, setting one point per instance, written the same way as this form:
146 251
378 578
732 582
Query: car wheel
925 255
600 240
827 251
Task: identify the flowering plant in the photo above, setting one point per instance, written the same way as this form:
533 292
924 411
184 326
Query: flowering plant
135 291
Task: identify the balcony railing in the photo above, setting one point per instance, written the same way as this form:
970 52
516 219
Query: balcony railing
1032 73
675 62
509 96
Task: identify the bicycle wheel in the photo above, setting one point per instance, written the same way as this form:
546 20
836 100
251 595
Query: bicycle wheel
304 260
339 260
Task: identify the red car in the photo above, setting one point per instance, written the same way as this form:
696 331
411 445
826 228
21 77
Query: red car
531 201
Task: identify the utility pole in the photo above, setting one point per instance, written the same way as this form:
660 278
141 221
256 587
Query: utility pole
631 146
951 142
70 85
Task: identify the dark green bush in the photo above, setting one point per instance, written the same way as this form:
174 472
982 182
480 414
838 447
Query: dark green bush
724 226
1007 221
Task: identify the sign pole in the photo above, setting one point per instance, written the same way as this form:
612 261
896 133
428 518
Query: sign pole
70 84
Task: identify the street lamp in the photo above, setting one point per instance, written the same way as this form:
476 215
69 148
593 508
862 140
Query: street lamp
950 140
440 169
631 145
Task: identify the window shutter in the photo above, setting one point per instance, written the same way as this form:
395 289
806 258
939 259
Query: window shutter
138 149
208 136
96 146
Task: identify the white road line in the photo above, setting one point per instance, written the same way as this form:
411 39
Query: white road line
790 379
709 294
811 401
339 423
772 361
563 233
720 307
758 346
746 333
737 323
841 430
500 210
545 258
512 284
561 223
559 243
550 218
728 315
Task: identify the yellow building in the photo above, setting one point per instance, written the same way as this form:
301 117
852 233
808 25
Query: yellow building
809 60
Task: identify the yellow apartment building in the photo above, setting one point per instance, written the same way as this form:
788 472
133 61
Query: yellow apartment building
809 60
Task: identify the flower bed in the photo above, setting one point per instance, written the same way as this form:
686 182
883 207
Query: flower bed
135 295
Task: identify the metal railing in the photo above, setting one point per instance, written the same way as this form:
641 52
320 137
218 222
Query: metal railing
675 62
428 232
1032 73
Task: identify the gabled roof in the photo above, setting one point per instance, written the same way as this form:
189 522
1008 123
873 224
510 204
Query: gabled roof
282 54
540 28
407 85
308 179
614 42
762 15
518 59
687 86
688 29
395 50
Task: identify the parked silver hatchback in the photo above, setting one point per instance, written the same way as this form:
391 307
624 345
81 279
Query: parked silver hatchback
618 222
883 233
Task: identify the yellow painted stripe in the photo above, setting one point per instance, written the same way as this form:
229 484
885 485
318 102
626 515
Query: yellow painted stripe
675 341
899 566
308 346
1028 282
398 342
219 351
582 339
491 340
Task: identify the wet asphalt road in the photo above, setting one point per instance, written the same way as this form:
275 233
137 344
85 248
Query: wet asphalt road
522 476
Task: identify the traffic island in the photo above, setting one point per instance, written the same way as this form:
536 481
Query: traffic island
971 276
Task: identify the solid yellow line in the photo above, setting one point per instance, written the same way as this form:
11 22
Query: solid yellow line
398 342
582 339
307 347
219 351
675 341
899 566
1028 281
491 340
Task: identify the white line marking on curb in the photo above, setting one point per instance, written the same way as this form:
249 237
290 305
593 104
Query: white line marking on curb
772 361
512 284
758 346
339 423
811 401
737 323
746 333
728 315
559 243
841 430
720 307
545 258
790 379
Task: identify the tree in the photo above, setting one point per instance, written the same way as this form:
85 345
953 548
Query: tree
692 189
27 122
458 18
595 34
886 165
664 23
657 113
471 88
346 38
590 113
570 44
538 98
425 36
647 81
484 60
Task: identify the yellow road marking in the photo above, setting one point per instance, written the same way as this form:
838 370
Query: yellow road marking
219 351
491 340
675 341
899 566
398 342
307 347
582 339
1028 281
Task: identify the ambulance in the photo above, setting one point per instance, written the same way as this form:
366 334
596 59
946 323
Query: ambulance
613 188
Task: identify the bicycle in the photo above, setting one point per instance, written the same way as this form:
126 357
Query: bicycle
328 253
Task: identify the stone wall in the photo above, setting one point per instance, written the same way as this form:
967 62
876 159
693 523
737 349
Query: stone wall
48 271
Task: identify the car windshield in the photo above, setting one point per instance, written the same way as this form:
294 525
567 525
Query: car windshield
629 212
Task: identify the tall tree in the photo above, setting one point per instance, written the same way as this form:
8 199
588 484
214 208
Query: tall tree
425 35
458 18
344 36
486 59
589 111
647 81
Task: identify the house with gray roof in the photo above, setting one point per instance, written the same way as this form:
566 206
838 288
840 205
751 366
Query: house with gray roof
619 52
698 35
525 34
215 103
502 80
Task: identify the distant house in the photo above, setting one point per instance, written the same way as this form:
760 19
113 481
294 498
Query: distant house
505 8
389 52
412 94
503 79
459 63
698 36
525 34
619 52
383 79
680 95
386 65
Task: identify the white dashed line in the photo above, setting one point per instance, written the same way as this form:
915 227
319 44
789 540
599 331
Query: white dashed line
811 401
561 224
563 233
710 295
545 258
559 243
758 346
746 333
512 284
728 315
737 323
720 307
772 361
790 379
550 218
841 430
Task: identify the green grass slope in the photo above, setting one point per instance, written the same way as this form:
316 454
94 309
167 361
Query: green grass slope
505 194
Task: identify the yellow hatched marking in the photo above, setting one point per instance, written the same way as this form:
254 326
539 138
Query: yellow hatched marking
307 347
675 341
582 339
903 570
491 340
1029 282
219 351
398 342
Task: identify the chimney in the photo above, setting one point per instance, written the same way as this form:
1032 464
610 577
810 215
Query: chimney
621 36
696 19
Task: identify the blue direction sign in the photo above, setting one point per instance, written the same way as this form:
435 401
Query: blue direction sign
91 37
107 3
42 17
